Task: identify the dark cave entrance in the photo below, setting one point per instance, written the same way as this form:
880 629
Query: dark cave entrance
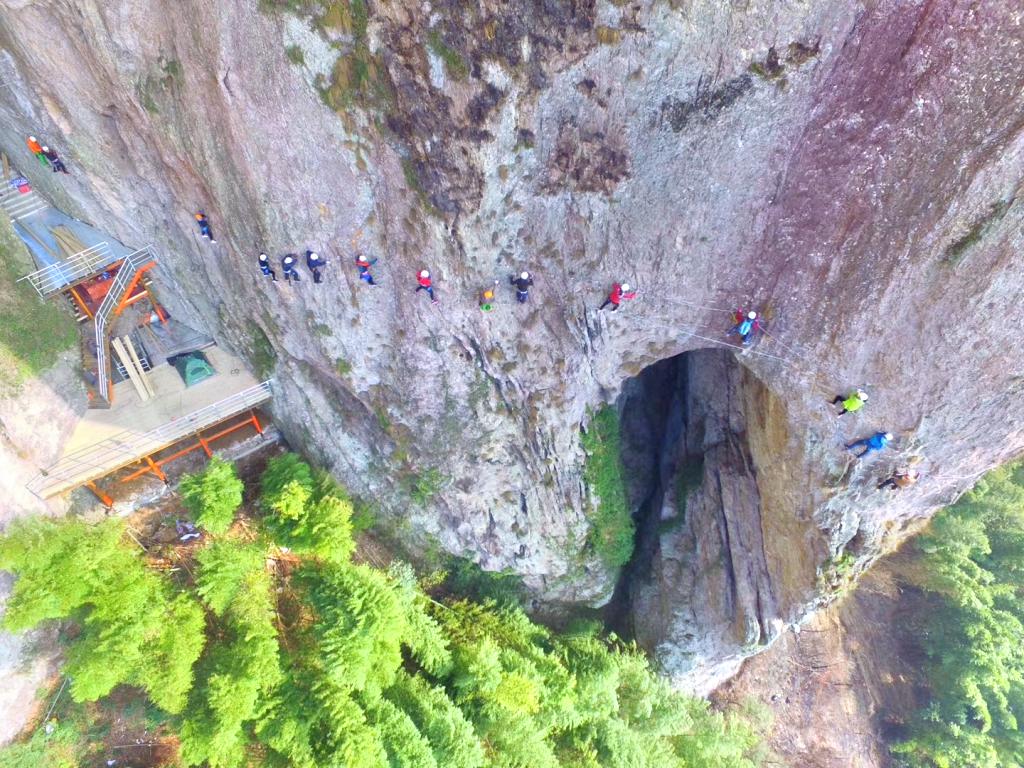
683 423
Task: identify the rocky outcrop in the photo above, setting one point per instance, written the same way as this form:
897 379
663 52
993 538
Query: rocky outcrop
853 169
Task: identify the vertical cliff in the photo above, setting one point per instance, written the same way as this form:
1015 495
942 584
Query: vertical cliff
852 169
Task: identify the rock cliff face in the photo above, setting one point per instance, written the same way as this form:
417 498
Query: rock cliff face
853 169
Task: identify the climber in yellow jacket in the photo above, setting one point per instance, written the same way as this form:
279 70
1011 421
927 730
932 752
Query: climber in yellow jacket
851 403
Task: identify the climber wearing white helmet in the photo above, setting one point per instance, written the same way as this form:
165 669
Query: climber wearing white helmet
423 278
288 267
54 160
852 402
618 293
315 263
522 284
35 149
265 267
746 325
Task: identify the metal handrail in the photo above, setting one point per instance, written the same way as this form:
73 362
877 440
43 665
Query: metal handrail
60 274
96 460
129 266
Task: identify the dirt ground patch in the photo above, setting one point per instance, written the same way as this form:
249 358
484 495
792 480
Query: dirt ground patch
843 685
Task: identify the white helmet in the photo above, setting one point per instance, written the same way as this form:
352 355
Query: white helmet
862 395
525 275
625 286
45 148
888 435
424 273
752 315
32 138
313 256
263 256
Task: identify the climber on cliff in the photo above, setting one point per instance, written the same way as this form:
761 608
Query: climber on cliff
852 402
876 442
423 278
37 150
265 267
364 265
746 325
618 293
54 159
522 284
315 263
903 477
487 298
288 262
204 227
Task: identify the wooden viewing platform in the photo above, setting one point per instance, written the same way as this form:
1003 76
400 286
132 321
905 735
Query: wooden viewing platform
132 431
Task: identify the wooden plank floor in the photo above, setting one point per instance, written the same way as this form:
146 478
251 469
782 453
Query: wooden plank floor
129 414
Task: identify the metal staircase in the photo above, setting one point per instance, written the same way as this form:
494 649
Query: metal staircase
127 278
62 275
18 205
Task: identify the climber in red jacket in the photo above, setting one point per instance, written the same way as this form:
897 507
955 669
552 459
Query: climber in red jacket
619 292
423 278
364 264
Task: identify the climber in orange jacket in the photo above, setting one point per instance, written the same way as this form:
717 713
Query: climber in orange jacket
423 278
36 149
619 292
204 226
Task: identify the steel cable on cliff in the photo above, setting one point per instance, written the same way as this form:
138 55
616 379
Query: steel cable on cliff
816 372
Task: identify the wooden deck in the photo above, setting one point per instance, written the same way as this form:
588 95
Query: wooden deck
107 439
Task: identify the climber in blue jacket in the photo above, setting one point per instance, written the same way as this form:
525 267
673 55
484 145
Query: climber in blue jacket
288 267
315 263
265 267
876 442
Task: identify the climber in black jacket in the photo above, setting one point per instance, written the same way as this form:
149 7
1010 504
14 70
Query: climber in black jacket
522 284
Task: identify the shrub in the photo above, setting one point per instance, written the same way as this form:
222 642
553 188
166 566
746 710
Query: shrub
213 495
613 529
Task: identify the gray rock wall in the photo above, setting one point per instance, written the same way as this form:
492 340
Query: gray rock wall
853 169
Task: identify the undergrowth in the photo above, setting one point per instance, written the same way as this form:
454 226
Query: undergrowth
613 529
33 332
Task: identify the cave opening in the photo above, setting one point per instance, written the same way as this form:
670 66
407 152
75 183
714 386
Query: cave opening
683 423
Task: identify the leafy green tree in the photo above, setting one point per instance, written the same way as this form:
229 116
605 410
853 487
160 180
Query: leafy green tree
308 513
971 563
134 628
316 662
287 485
241 669
213 495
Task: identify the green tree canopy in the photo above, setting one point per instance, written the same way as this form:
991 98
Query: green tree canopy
971 562
213 495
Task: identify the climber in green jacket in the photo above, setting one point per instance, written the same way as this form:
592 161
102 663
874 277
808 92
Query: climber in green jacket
852 402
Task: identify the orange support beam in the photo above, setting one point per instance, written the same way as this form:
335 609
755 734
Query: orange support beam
201 442
81 304
125 300
156 469
107 501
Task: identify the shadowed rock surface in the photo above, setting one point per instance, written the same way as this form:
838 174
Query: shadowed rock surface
852 169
